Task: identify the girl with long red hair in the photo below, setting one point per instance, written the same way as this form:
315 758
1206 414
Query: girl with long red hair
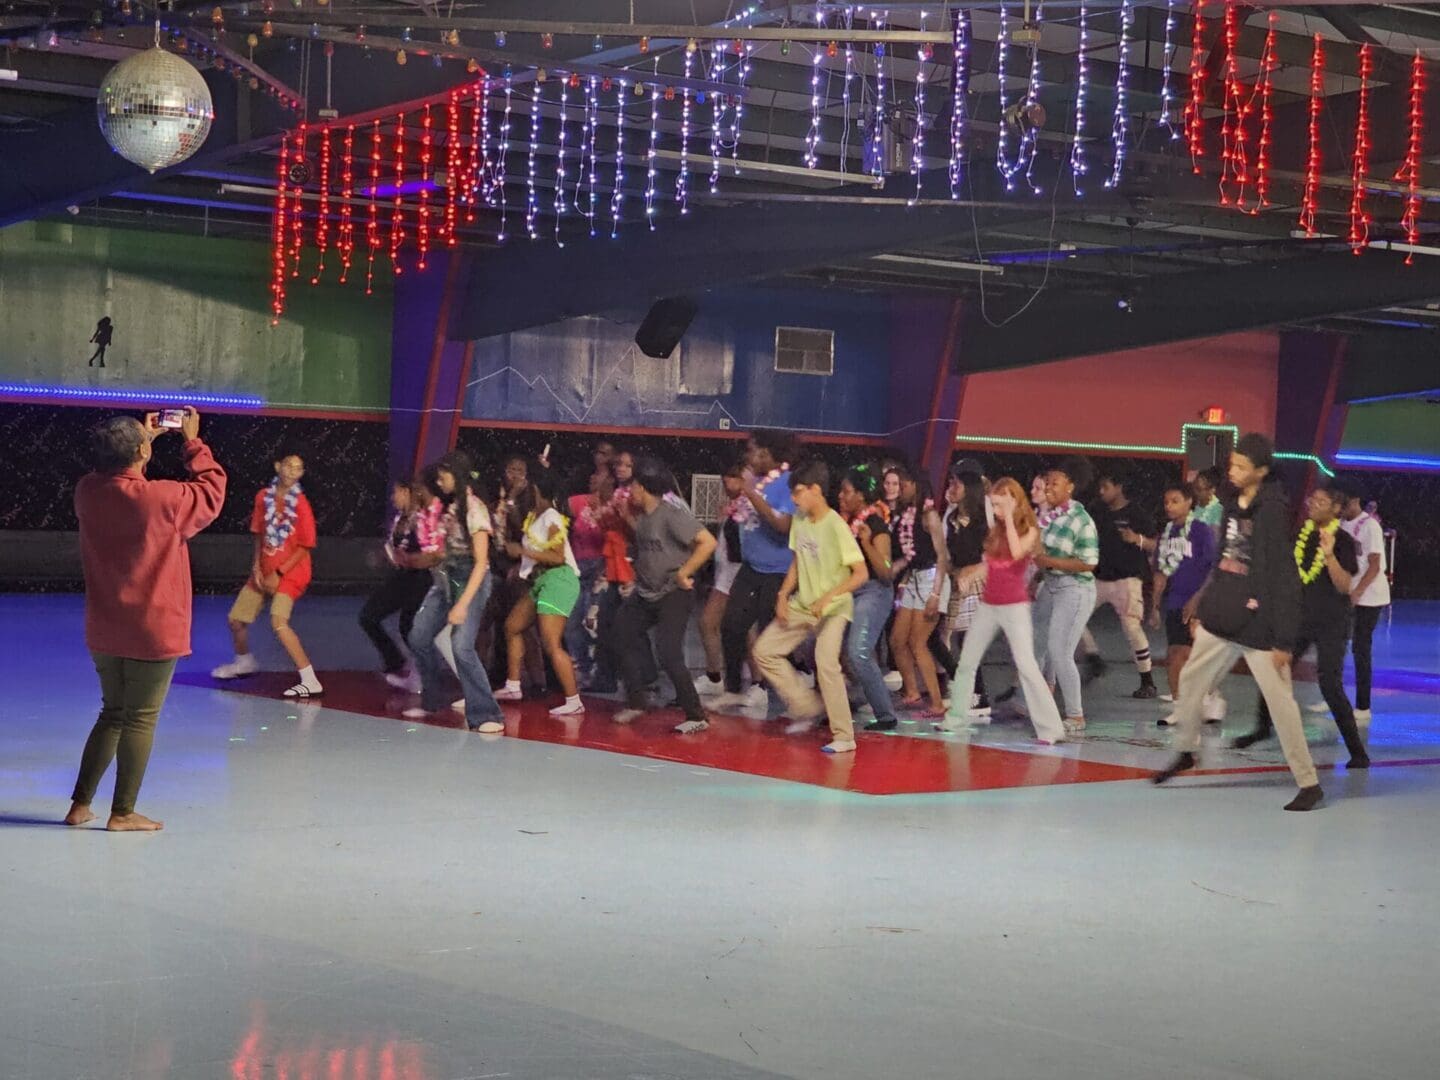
1005 608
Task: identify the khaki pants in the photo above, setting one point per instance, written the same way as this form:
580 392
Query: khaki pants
1210 661
772 657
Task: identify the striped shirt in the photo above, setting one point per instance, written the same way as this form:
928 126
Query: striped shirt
1071 534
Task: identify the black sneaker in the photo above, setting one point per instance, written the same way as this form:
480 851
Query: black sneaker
1094 668
1250 738
1307 799
1147 692
1359 761
882 725
1007 695
1181 763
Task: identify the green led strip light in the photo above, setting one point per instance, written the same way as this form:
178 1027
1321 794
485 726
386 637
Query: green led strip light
1128 448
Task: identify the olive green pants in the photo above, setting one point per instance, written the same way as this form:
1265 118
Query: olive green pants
131 693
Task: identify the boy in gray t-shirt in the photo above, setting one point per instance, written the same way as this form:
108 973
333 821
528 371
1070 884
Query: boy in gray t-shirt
670 548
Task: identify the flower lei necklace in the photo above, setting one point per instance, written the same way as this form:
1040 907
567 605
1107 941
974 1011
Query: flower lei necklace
1173 546
278 531
1309 575
742 510
905 529
879 509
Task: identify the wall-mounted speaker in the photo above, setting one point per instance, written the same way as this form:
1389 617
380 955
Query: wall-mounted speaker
665 324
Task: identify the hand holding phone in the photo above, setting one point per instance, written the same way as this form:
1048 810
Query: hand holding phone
172 419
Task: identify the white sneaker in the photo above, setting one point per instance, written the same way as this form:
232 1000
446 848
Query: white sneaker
799 727
1213 708
893 681
415 713
1362 716
400 680
572 707
692 727
458 706
839 746
708 687
1169 699
979 713
506 693
755 698
1167 721
1317 707
628 716
237 668
491 727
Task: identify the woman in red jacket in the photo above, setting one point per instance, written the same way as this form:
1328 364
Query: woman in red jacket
133 537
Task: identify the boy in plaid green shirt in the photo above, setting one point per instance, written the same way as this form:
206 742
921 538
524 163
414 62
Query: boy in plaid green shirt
1072 535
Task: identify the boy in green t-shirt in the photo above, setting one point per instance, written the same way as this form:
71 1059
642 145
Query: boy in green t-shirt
815 602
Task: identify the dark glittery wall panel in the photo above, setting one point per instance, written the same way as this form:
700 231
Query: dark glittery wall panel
45 449
1409 504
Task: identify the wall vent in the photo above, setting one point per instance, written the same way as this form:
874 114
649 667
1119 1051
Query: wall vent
707 497
803 351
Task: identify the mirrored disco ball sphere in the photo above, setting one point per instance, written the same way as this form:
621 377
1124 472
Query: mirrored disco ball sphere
155 109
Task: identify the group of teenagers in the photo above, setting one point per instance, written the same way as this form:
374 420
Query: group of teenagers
841 573
850 575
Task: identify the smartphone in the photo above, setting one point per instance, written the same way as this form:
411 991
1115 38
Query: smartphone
172 418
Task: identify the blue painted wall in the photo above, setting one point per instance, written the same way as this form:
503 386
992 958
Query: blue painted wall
588 371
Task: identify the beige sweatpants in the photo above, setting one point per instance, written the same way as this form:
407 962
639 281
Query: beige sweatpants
772 657
1210 661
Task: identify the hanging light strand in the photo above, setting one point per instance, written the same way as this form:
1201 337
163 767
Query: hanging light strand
1267 118
1078 165
1120 125
1414 154
532 197
372 224
717 112
1233 156
592 110
917 140
746 51
278 236
650 156
1002 137
297 224
617 196
455 182
322 224
397 210
1195 108
682 181
960 98
559 201
479 149
812 137
1167 73
426 160
1360 159
347 197
1310 198
877 121
503 157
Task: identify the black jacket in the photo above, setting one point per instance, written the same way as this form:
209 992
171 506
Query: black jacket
1253 595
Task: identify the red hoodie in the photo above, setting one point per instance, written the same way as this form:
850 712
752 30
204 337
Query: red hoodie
133 546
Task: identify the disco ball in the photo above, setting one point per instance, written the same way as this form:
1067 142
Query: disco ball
155 109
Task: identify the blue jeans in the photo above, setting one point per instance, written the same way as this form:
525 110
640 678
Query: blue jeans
580 640
480 703
1062 608
874 601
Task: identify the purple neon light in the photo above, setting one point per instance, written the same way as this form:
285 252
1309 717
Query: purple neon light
155 397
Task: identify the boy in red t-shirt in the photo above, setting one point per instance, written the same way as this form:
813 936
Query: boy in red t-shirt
284 528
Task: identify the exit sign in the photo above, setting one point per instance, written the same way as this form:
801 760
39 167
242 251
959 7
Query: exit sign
1215 415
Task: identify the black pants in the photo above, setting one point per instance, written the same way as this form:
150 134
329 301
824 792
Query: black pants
1330 663
403 591
633 623
1363 650
752 602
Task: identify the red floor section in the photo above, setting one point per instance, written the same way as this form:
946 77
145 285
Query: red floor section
883 764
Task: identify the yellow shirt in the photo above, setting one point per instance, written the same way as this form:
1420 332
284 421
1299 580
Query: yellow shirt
825 550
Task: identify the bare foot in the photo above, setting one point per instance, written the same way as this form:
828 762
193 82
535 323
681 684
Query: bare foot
132 823
79 814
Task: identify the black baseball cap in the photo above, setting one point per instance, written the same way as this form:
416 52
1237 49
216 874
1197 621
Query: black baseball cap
968 467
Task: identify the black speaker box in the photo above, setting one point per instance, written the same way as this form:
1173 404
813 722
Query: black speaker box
665 325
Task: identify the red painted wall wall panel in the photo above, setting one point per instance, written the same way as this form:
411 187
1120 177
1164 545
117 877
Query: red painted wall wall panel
1141 396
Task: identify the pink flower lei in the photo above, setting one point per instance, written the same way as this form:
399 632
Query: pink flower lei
742 509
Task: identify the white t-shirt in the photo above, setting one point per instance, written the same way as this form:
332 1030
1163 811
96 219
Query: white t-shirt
1369 539
538 535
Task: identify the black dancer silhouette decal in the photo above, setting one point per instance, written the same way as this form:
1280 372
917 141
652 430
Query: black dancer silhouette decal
104 332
